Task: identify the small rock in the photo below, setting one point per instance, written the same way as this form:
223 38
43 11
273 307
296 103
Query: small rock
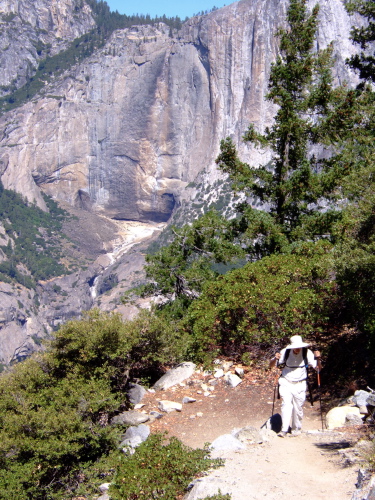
206 487
143 431
103 488
199 414
353 420
226 365
240 372
133 437
232 380
156 414
187 399
169 406
249 435
219 373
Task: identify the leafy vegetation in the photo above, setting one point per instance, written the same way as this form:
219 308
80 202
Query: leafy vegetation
159 470
264 303
54 413
304 198
310 266
364 36
33 248
301 189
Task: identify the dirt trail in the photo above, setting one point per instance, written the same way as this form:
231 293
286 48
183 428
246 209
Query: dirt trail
308 466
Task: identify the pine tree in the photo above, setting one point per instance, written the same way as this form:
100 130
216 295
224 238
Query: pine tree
364 62
296 185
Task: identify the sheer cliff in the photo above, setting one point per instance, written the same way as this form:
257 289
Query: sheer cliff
31 29
124 132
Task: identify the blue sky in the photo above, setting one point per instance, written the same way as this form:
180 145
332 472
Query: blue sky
181 8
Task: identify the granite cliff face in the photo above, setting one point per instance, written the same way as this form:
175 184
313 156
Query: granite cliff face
31 29
122 134
125 132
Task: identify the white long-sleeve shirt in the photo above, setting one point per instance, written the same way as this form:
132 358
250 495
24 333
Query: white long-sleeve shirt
294 370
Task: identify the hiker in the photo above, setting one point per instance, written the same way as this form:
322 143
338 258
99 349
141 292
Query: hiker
292 383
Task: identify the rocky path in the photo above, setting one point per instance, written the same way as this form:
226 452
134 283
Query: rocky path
312 465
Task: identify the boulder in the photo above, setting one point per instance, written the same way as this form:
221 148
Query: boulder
131 417
206 487
175 376
249 435
227 442
136 393
336 417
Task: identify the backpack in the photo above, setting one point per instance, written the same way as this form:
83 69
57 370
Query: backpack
304 356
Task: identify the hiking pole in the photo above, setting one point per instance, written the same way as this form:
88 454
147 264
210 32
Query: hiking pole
320 398
274 395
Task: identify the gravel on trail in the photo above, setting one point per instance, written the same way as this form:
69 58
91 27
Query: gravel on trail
312 465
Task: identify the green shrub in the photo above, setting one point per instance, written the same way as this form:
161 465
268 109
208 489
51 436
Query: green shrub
49 428
265 301
159 470
219 496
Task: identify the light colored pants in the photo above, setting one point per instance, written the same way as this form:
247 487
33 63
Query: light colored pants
293 396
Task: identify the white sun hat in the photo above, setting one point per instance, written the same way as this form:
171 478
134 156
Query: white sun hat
296 342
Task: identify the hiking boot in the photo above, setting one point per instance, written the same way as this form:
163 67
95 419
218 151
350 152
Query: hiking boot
282 434
296 432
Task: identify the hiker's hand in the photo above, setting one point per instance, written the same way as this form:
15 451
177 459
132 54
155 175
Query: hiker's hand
274 360
317 354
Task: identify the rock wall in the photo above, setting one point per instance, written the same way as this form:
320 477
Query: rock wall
125 132
32 28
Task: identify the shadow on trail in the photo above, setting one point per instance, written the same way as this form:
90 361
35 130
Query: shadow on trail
333 446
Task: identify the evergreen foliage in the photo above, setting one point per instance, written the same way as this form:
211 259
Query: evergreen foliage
299 188
54 408
54 411
264 302
159 469
34 239
364 36
181 268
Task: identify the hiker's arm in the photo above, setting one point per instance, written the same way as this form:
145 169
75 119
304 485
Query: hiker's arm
318 360
275 359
